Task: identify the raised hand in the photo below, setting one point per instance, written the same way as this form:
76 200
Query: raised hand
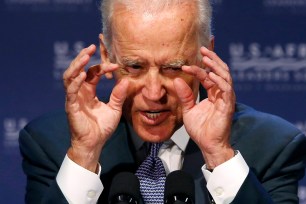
209 122
91 121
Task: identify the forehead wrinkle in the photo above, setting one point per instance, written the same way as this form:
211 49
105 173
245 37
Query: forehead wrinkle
187 38
180 46
190 27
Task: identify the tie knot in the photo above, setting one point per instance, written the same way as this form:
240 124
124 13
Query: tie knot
154 149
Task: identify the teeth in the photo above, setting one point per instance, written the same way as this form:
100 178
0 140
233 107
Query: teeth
152 115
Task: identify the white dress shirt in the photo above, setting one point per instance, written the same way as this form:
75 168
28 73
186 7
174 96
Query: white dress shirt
81 186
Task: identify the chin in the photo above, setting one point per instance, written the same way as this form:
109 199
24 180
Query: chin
154 134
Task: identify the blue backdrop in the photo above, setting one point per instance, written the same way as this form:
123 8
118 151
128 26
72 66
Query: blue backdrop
263 42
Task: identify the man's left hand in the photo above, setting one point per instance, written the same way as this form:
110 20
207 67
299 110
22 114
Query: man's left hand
209 122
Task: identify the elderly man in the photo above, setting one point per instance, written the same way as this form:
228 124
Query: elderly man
160 52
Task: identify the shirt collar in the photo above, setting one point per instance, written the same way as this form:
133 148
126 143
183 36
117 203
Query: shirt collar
180 138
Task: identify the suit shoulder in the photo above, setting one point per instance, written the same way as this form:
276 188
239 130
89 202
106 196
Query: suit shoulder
48 129
252 128
265 139
261 121
53 122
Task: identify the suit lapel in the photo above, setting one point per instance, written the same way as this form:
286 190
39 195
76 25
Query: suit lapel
193 161
121 159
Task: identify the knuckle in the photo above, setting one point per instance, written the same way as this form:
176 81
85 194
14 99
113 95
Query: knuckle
228 88
65 77
226 66
213 54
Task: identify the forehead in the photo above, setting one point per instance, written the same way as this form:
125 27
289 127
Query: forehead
173 25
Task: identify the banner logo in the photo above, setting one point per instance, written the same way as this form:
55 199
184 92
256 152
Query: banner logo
302 194
277 67
11 128
285 3
281 6
49 5
64 53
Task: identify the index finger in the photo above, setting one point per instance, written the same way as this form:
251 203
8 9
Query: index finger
78 64
95 72
213 56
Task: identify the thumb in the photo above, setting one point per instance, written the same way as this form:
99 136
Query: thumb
184 94
118 95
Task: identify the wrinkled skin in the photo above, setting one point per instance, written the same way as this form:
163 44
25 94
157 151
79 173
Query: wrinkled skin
159 64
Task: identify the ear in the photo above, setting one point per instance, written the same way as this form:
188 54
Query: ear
103 51
104 55
212 43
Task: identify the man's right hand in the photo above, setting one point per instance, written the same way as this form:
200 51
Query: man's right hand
91 121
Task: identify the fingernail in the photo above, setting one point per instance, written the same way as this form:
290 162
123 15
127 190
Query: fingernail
100 36
114 65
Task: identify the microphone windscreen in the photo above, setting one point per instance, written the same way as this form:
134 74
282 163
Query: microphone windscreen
125 183
179 183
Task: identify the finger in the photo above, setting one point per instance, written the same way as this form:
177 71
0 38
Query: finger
200 73
195 71
94 75
221 83
95 72
213 56
109 75
118 95
74 87
108 68
215 64
78 64
184 94
221 90
217 69
90 50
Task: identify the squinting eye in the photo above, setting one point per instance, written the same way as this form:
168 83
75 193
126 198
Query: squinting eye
172 69
136 66
133 69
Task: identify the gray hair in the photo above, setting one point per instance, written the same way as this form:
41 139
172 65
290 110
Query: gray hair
204 16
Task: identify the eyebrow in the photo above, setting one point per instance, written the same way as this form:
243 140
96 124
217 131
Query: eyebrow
176 63
173 63
129 61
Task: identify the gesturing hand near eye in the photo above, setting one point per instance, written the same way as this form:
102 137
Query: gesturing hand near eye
91 121
209 122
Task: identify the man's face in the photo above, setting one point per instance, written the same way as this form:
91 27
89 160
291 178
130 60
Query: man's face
150 50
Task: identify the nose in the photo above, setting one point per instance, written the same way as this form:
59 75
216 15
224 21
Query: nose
153 89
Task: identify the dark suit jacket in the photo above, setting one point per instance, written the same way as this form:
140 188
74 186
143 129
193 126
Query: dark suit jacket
273 148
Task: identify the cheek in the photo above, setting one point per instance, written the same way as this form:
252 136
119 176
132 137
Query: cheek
133 97
193 83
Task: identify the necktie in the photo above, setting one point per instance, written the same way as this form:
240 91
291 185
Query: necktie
152 177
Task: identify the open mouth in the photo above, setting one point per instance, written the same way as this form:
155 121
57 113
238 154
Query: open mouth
155 117
153 114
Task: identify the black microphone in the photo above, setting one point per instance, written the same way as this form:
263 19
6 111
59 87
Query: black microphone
124 189
179 188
